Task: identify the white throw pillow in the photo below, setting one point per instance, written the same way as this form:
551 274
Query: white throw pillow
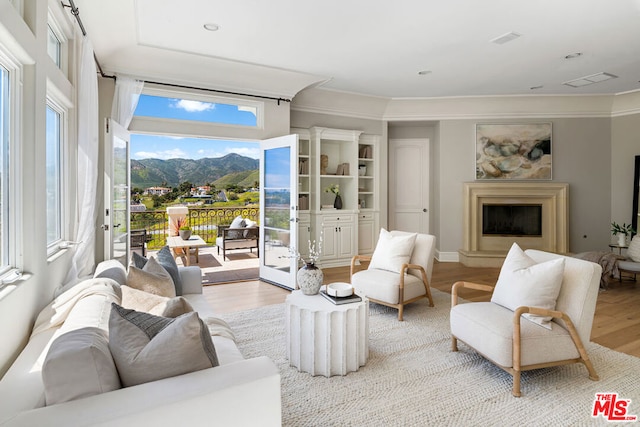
152 278
148 348
523 282
392 251
633 251
138 300
79 364
238 222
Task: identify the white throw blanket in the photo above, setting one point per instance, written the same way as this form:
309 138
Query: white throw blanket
54 314
219 327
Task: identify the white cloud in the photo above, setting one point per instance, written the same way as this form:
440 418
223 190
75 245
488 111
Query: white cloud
174 153
193 106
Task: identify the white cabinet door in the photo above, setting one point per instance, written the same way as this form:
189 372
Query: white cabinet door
329 242
346 237
366 234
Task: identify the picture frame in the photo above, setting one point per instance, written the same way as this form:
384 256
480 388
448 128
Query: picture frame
514 151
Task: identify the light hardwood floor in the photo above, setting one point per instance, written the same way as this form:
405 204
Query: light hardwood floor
616 324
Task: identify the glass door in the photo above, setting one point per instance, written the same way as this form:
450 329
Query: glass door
278 210
117 194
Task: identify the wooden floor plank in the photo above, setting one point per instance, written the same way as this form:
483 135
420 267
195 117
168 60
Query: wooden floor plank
616 324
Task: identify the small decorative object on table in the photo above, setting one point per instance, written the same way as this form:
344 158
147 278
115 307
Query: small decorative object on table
185 232
309 276
622 231
335 189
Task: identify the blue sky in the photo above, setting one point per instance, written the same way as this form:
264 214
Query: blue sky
171 147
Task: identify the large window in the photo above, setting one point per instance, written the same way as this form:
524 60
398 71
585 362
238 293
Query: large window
54 175
245 113
4 169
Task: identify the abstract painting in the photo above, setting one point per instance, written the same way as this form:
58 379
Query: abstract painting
513 151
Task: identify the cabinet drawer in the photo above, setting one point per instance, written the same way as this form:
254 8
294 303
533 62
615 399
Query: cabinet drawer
335 218
365 217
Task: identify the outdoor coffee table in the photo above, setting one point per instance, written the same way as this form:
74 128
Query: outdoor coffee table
178 246
324 338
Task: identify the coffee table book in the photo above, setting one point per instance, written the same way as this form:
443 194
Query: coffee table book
341 300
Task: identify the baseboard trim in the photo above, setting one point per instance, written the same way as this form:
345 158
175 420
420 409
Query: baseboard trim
447 256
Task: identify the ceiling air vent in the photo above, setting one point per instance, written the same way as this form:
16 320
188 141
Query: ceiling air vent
505 38
589 80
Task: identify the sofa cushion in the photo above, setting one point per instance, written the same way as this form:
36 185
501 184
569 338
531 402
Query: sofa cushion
153 278
238 222
392 251
138 300
633 251
148 348
112 269
79 364
523 282
166 260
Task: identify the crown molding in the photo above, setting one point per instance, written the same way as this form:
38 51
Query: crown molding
330 102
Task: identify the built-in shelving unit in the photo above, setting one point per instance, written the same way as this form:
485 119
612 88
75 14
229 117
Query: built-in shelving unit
333 157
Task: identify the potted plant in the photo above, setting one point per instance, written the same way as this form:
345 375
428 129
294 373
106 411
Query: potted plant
185 232
335 189
622 231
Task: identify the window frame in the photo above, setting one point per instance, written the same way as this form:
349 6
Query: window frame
213 99
53 24
63 114
10 259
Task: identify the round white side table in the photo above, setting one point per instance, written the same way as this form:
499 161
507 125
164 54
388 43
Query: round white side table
324 338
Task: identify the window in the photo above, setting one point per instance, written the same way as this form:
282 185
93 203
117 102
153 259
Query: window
4 169
244 113
54 175
54 46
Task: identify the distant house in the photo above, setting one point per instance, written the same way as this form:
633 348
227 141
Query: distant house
156 191
138 207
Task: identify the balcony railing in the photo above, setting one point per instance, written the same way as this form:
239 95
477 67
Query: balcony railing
203 222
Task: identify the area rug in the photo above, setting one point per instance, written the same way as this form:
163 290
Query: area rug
412 378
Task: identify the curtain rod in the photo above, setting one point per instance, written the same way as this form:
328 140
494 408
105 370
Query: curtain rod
76 13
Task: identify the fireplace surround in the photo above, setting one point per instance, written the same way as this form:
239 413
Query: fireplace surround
483 249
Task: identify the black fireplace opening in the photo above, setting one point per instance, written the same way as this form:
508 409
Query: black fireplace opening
512 220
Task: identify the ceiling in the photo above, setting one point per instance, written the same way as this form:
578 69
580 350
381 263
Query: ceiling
373 47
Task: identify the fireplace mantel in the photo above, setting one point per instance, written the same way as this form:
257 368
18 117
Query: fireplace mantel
490 250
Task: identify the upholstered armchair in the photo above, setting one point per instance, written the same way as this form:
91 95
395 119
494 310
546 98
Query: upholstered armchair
399 270
530 327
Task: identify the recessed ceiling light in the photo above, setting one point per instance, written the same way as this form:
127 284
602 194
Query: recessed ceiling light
211 27
536 87
424 72
573 55
505 38
591 79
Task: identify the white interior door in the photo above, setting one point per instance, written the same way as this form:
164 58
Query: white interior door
117 192
278 210
409 185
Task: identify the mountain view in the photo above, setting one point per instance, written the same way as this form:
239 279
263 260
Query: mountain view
230 169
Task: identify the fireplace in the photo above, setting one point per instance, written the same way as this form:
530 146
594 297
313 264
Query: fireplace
533 214
511 220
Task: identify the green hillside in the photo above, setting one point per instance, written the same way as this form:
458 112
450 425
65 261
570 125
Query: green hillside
233 168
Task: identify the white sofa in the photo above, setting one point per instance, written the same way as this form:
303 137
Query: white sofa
237 392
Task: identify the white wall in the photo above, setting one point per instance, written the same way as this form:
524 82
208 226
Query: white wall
26 39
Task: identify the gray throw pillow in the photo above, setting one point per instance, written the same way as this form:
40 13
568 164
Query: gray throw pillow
138 260
148 348
79 364
166 260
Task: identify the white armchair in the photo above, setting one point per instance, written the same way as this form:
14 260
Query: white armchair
515 344
396 286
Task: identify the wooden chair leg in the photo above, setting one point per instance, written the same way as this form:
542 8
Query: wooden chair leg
454 343
516 384
400 312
